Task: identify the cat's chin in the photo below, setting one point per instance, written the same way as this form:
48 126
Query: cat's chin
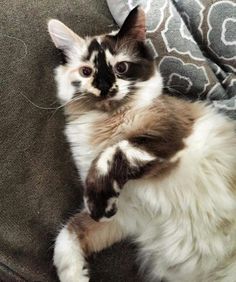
109 105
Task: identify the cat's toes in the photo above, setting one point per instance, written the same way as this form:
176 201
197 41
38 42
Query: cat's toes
68 258
71 274
85 273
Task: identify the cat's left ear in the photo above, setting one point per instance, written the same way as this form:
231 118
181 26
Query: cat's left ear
64 38
134 26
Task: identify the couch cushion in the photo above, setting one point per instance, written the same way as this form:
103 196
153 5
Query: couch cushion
195 46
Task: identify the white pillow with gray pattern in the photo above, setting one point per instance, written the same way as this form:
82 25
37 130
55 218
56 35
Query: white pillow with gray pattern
195 44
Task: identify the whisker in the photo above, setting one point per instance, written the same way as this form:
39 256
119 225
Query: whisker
68 102
35 105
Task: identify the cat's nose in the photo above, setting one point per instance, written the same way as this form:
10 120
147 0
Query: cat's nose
104 87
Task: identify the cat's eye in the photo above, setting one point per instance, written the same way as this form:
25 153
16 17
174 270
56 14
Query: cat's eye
121 67
85 71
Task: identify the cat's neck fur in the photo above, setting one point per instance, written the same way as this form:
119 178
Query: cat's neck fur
144 97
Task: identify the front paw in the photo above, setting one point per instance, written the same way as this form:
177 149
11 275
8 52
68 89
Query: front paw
101 197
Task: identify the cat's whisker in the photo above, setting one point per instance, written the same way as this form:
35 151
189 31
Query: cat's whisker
65 104
35 105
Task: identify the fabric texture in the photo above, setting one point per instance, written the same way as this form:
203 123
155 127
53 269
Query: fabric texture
195 43
38 181
39 184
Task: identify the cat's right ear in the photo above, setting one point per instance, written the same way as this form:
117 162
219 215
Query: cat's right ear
134 27
64 38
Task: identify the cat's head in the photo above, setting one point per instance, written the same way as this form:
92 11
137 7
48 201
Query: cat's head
108 70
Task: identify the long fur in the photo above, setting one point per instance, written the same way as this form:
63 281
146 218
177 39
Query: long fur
181 211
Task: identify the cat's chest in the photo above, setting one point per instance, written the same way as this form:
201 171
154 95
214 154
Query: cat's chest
91 133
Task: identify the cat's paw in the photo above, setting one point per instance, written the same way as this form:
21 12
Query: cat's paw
69 259
101 197
72 275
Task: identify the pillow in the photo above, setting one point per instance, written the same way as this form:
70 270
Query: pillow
195 46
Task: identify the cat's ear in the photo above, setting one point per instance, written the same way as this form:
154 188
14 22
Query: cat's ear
134 26
63 37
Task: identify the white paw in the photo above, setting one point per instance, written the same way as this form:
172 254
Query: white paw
71 275
69 259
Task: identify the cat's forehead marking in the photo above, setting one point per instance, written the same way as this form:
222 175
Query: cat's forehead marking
103 46
94 47
104 77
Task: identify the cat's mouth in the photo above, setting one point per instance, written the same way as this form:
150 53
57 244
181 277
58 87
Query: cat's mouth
110 101
108 104
110 96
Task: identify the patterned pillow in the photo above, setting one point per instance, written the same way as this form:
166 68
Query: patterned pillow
195 46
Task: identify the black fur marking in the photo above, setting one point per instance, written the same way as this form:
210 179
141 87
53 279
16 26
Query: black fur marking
129 24
63 57
94 46
139 71
122 170
111 212
109 43
104 77
98 200
76 83
99 189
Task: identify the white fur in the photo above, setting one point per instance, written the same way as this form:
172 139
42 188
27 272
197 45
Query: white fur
63 78
184 210
79 133
69 258
86 204
134 154
105 159
110 204
180 222
149 90
116 187
174 220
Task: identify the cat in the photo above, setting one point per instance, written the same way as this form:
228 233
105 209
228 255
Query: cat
154 167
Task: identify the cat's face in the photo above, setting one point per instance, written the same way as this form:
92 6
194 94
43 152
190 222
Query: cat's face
108 70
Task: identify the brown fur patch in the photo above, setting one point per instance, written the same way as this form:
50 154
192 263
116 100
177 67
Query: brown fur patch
94 236
159 129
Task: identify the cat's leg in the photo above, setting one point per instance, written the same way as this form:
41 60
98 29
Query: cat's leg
77 240
109 172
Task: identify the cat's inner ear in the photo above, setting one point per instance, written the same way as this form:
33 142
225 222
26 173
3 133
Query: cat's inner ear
134 26
63 37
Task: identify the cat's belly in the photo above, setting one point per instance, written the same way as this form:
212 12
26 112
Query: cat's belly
185 222
178 243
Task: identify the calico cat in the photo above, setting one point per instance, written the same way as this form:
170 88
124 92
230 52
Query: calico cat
154 167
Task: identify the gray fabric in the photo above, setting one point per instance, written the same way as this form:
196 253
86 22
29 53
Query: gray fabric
38 181
196 46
